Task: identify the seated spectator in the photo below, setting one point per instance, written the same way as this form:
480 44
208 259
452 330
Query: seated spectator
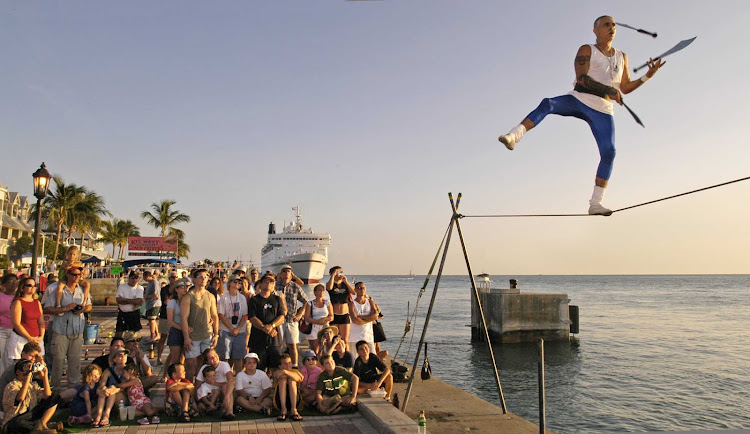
224 379
253 387
209 393
286 396
340 355
29 407
140 359
81 409
372 372
179 391
106 360
112 388
30 352
326 337
137 397
310 372
336 389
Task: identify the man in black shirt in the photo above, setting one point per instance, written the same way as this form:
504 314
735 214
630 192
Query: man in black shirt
266 313
372 372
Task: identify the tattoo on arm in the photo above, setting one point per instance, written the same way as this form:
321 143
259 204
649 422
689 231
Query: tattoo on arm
582 60
596 87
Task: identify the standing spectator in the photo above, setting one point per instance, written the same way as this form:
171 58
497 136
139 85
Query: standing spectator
129 298
152 299
363 312
199 318
292 292
254 277
28 321
28 407
340 291
266 311
319 313
175 340
216 287
232 310
67 330
167 293
7 293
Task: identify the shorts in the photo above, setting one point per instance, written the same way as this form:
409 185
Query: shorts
163 326
175 338
269 357
290 333
341 319
152 314
231 347
198 348
27 421
128 321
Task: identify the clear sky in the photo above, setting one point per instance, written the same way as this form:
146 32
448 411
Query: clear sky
366 114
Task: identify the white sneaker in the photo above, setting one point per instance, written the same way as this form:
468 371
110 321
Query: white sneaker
509 140
598 209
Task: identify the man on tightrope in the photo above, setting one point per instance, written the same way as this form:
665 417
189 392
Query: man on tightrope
601 77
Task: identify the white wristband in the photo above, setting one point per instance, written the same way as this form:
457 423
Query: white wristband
645 78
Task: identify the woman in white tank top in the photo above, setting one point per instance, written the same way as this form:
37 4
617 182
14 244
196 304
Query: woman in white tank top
363 312
319 313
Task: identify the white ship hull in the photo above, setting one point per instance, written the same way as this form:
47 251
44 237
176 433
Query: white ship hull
303 249
310 267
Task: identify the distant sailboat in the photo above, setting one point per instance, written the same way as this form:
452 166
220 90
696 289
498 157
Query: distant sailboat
411 274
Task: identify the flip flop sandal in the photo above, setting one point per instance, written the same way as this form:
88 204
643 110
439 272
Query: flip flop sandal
103 424
281 418
296 418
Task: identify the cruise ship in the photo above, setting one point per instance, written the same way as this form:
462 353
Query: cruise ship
304 250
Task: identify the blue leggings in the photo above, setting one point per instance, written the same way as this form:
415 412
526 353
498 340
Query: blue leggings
602 125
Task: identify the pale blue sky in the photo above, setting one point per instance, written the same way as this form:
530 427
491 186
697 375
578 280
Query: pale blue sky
367 113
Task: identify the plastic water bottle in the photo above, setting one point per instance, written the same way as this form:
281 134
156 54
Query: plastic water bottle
422 423
123 411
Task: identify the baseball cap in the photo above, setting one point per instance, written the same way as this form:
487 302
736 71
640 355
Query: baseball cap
286 267
252 356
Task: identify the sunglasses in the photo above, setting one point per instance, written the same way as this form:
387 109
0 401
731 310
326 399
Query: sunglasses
313 359
29 285
74 274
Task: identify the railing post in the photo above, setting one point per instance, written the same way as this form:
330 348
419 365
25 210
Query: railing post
542 409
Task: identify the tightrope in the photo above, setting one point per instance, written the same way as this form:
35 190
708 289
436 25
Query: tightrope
614 211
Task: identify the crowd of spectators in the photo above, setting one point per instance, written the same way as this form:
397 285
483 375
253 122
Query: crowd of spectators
233 345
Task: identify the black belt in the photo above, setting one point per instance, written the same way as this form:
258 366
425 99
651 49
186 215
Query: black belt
579 88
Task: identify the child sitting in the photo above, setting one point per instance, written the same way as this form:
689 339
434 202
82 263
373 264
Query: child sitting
137 397
209 392
80 407
179 392
253 387
310 373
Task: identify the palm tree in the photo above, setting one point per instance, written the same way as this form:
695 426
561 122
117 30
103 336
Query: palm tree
183 248
117 232
58 205
164 217
87 214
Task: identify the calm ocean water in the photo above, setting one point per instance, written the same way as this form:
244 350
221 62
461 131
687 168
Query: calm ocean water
654 353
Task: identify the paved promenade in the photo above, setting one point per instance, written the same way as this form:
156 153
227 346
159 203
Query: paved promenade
106 316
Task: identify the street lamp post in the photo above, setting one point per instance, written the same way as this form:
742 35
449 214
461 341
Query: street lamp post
41 184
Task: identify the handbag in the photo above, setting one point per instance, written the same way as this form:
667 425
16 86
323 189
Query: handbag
304 326
378 333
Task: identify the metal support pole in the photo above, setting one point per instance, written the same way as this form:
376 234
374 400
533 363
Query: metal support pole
475 291
37 227
542 406
454 219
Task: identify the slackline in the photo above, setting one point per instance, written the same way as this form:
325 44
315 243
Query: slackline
613 211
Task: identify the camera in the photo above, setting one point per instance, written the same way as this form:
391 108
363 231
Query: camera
235 319
78 307
35 367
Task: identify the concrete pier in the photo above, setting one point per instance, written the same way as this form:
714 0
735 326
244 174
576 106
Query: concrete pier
514 316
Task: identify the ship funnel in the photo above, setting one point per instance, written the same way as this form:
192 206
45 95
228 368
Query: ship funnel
271 228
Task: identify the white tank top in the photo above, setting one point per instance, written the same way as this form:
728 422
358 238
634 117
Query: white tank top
361 332
607 71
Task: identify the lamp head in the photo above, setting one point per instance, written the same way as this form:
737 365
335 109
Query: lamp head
41 182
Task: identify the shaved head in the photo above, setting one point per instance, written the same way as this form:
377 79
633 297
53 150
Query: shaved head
596 21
